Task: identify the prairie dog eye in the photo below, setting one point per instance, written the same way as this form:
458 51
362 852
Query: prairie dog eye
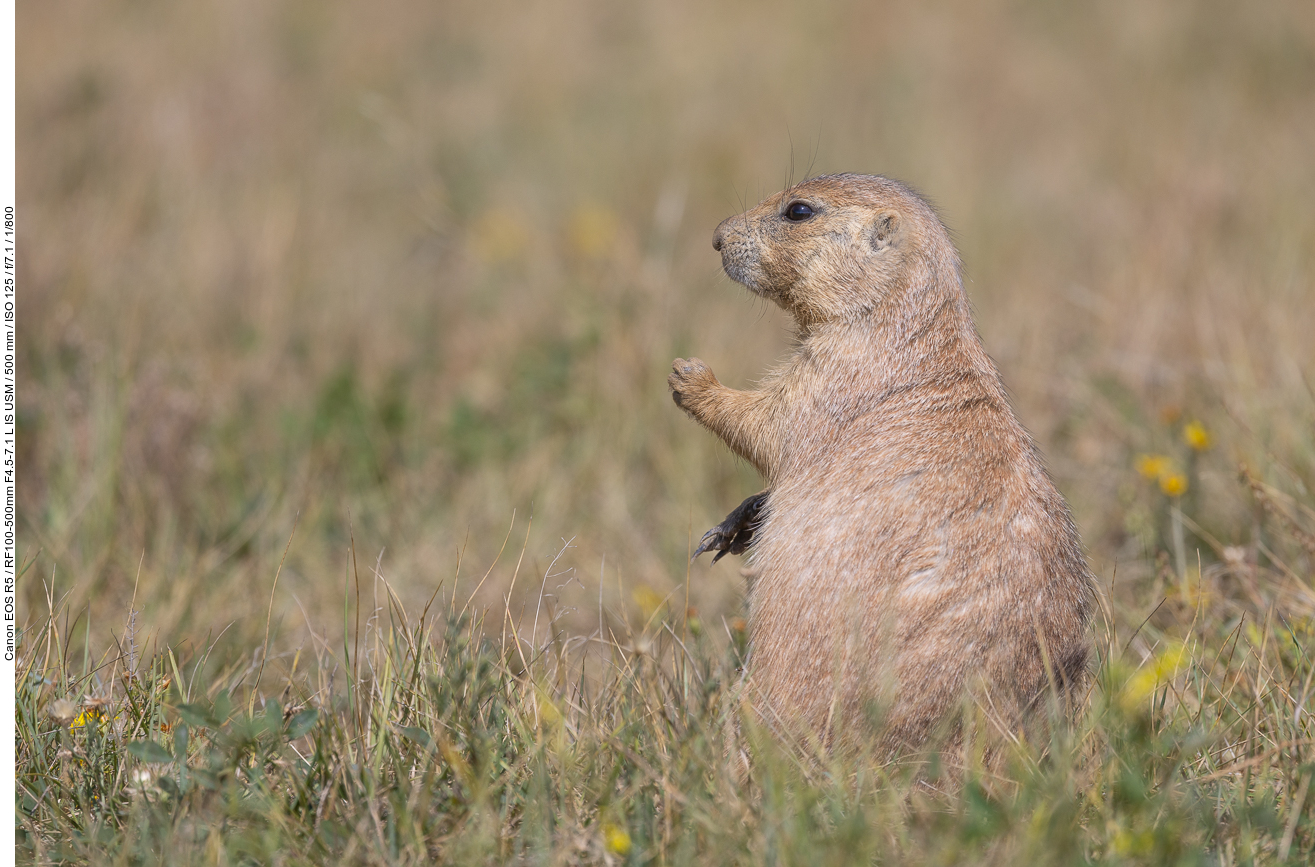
797 212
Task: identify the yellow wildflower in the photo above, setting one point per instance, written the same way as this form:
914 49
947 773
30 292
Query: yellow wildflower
592 231
1193 589
1153 467
1173 484
500 236
89 715
1160 468
1126 842
1163 667
550 716
1196 436
616 839
648 599
1254 635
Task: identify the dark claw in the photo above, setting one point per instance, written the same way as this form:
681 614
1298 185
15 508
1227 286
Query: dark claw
735 534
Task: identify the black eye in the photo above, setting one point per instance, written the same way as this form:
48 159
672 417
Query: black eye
797 212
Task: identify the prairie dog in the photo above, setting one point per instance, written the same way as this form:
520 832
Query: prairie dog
911 549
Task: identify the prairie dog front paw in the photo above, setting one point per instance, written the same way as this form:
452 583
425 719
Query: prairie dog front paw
690 380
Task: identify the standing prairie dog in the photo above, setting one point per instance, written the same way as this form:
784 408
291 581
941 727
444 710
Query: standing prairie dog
911 550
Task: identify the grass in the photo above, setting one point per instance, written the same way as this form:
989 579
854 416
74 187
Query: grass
328 309
446 737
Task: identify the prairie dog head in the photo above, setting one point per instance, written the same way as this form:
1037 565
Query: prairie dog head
836 247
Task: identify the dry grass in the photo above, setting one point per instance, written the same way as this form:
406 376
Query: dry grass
410 274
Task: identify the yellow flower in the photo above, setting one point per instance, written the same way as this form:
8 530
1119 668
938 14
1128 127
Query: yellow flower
648 599
1154 467
616 839
1254 635
1160 468
1163 667
500 236
550 716
1194 590
89 715
1126 842
1196 436
1173 484
592 231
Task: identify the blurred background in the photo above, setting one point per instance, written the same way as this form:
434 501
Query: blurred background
410 276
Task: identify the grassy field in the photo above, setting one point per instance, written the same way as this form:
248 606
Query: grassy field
355 515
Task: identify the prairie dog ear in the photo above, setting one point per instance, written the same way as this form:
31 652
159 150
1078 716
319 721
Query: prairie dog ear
885 231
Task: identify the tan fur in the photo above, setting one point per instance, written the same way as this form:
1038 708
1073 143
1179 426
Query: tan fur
913 549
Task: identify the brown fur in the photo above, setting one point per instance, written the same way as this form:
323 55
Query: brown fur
912 549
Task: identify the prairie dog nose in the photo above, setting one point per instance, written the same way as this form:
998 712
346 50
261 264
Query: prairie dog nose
716 240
